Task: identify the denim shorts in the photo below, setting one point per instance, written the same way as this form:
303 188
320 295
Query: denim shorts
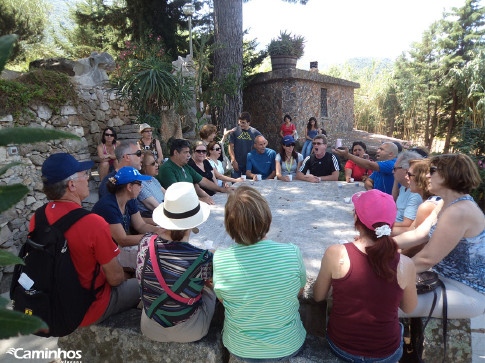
268 360
393 358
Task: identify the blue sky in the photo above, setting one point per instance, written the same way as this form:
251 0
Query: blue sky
338 30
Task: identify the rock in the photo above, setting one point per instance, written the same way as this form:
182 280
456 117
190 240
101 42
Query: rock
91 71
44 112
100 115
68 110
5 235
29 200
94 127
61 65
7 118
37 160
120 336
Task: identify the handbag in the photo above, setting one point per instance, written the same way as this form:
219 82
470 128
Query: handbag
427 281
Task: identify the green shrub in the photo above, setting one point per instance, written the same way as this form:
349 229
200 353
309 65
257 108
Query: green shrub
51 88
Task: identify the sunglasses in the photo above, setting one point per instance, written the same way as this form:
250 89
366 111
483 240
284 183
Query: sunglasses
136 182
397 168
153 164
109 135
289 145
217 149
317 143
432 169
200 151
138 153
410 175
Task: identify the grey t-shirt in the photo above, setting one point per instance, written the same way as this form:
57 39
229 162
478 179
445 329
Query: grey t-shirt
292 166
243 141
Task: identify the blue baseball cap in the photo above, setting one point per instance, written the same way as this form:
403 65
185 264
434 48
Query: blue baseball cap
287 140
128 174
61 166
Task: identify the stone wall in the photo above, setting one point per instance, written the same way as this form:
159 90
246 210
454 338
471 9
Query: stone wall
296 92
96 108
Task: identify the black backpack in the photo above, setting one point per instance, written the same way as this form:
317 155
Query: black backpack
56 295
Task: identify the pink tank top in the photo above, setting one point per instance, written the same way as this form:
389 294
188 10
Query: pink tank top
364 318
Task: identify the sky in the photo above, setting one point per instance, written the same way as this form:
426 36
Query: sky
336 30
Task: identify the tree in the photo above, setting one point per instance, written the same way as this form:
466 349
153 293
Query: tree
228 57
25 18
134 19
463 37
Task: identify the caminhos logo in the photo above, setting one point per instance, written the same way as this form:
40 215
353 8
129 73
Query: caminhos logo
67 356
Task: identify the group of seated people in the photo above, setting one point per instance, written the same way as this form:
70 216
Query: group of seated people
415 204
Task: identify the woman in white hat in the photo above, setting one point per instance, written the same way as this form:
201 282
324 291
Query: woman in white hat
148 142
177 304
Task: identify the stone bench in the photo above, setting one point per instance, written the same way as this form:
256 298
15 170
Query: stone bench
119 338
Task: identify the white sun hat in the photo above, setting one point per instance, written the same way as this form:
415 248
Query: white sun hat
181 208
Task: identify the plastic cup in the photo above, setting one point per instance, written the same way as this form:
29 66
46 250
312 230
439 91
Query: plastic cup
338 143
347 200
351 180
243 176
291 177
340 186
259 177
208 245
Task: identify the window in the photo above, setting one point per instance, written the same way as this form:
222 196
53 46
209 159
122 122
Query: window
323 103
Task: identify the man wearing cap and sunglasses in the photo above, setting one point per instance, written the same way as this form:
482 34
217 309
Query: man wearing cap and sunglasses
128 153
89 239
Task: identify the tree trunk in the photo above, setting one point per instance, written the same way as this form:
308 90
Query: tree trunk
451 122
434 125
228 56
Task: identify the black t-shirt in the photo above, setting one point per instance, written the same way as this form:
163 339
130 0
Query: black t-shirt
320 167
206 174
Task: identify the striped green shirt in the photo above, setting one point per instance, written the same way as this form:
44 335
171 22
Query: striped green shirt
259 285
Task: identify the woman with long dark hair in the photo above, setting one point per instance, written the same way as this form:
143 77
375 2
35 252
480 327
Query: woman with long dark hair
106 152
288 161
311 131
370 280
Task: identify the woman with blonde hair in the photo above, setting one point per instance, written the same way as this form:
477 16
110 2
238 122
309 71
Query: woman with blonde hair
258 281
455 236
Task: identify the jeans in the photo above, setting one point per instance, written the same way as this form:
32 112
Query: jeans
236 174
307 148
393 358
269 360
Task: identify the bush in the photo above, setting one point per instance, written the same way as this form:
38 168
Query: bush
40 86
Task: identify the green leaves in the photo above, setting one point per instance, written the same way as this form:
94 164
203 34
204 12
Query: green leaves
13 323
11 195
6 45
8 259
19 135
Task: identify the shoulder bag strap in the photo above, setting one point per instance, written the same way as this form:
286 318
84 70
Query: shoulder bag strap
180 280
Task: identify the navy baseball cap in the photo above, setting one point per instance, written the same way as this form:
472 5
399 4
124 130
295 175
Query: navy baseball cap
287 140
60 166
128 174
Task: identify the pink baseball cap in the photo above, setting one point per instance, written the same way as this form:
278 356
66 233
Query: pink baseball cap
373 207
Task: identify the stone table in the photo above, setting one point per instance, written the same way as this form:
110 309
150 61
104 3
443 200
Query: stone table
311 216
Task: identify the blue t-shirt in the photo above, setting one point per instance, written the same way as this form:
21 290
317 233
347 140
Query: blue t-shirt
107 207
150 188
263 164
384 179
102 191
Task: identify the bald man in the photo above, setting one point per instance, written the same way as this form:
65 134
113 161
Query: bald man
261 160
382 177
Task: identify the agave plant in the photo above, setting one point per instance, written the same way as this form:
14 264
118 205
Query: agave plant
287 44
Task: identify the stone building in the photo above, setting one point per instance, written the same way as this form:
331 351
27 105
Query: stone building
301 94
